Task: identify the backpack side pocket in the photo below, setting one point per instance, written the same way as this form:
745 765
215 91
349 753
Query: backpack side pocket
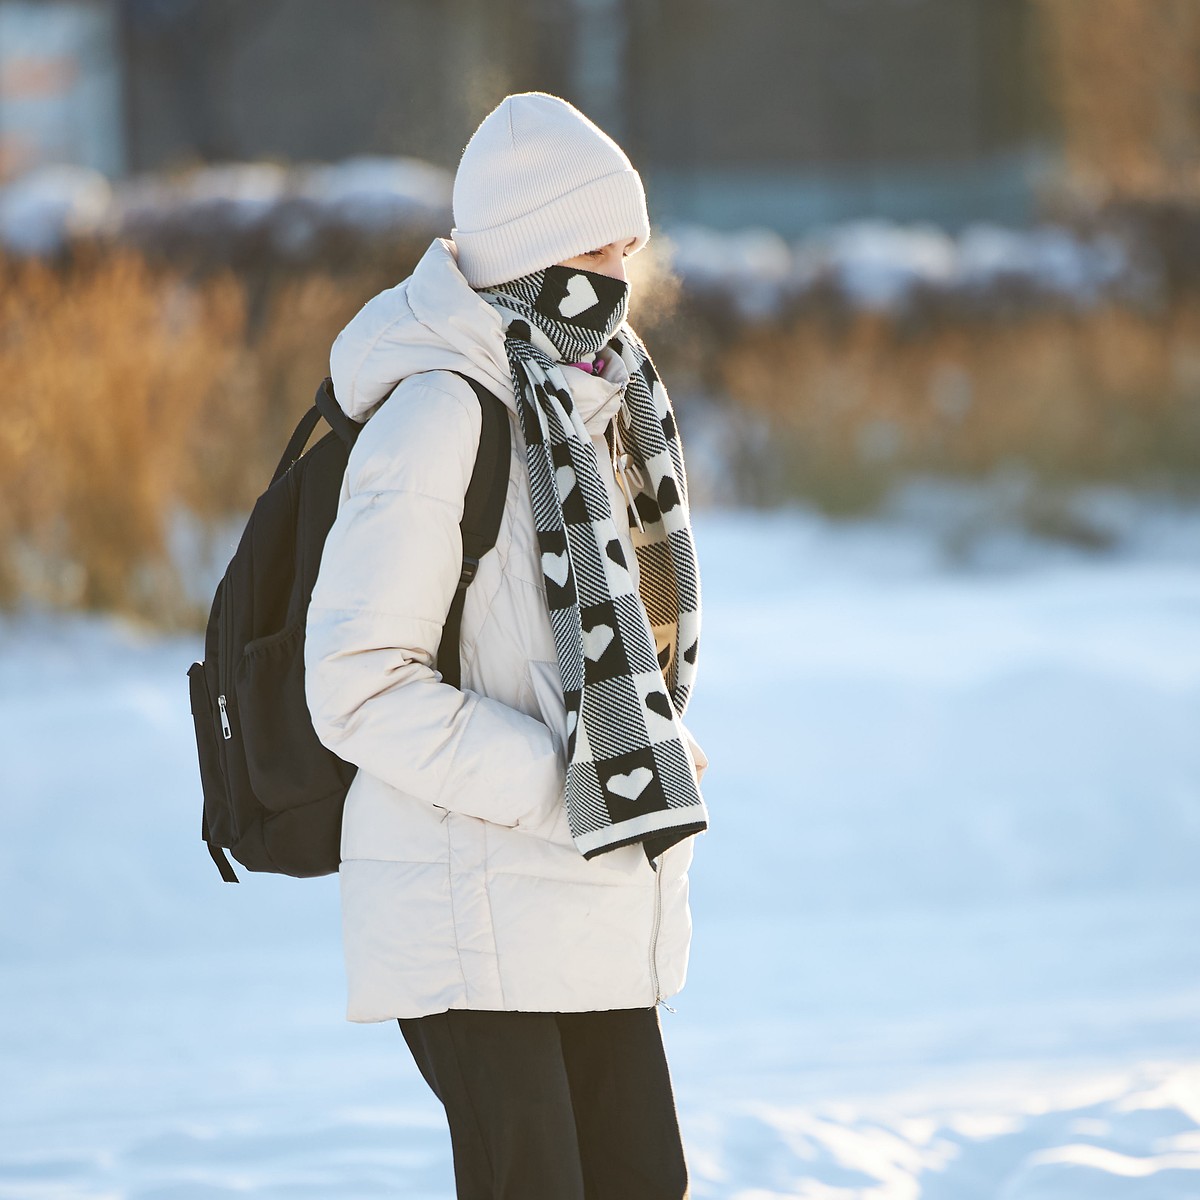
217 809
288 765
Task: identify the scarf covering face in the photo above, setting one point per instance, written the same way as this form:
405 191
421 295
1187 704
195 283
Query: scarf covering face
627 662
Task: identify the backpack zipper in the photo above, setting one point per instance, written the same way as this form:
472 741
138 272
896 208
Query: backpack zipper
224 665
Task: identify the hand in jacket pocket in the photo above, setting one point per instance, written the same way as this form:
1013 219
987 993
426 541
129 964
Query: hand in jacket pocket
698 755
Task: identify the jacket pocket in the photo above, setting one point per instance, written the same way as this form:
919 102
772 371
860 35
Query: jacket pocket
546 685
546 688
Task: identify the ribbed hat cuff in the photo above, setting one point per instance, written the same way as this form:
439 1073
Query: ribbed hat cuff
600 212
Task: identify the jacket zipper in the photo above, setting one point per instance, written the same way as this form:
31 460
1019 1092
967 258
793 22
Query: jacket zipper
623 467
225 728
658 998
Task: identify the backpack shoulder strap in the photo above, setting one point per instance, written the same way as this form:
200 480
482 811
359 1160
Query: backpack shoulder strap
483 508
324 405
484 503
297 441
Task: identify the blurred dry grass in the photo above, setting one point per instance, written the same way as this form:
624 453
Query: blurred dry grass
1125 78
130 395
133 393
1107 396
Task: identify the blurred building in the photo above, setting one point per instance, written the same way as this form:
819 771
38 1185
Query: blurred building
740 112
60 86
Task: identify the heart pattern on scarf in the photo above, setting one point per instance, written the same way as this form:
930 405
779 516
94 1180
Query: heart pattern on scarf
579 298
565 478
557 567
596 641
631 786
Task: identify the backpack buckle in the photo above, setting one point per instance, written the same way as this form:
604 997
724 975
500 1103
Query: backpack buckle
469 567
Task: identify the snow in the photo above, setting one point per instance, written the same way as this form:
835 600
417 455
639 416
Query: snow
872 264
880 265
944 920
44 207
41 211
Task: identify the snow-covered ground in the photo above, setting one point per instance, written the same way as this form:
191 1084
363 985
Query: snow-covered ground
945 917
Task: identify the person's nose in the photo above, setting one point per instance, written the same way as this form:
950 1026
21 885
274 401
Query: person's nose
613 265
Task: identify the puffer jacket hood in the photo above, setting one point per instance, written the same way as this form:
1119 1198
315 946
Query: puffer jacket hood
435 321
432 321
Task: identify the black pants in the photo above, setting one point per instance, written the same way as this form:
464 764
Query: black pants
554 1106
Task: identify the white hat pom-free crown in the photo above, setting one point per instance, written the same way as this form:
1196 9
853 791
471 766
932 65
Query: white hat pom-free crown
539 183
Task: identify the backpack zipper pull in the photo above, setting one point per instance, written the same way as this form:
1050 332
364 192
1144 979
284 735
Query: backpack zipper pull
225 727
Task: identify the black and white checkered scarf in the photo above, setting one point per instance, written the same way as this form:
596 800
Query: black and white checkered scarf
627 662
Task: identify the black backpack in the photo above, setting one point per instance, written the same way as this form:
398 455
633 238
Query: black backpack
273 794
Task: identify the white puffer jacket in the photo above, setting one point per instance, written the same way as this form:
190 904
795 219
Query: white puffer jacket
461 887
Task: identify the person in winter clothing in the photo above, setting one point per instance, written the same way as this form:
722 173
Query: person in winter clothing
515 853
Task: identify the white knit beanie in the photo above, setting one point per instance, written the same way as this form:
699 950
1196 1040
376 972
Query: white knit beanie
539 183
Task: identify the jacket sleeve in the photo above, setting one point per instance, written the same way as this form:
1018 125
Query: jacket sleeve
388 573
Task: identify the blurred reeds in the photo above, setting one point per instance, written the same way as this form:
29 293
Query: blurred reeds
133 395
136 392
1124 78
855 406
